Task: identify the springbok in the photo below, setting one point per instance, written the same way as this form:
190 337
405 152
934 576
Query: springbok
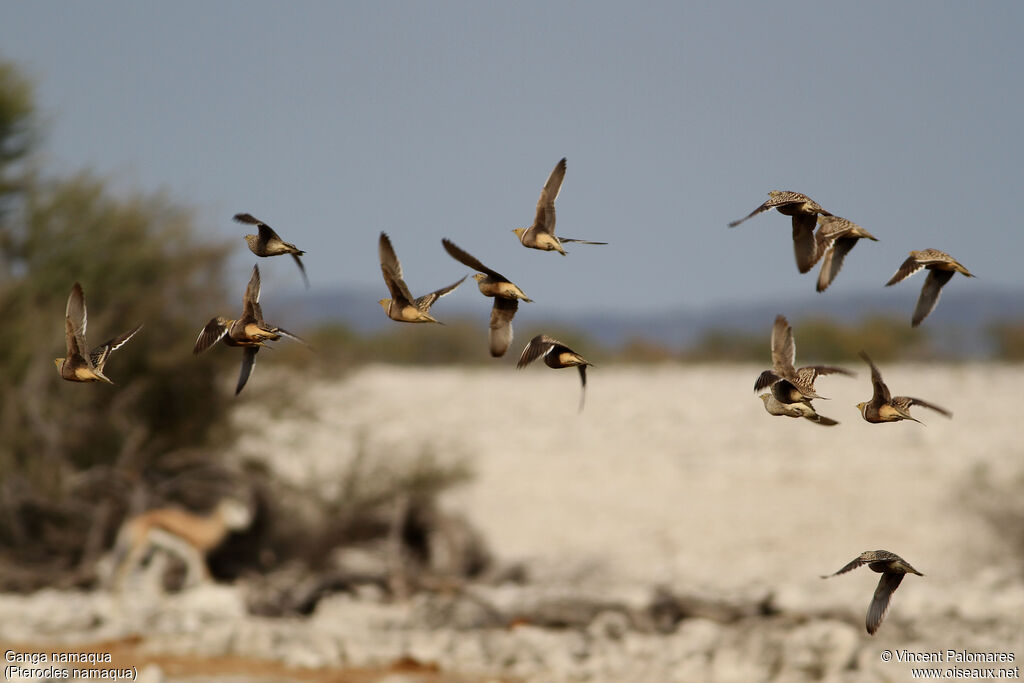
178 532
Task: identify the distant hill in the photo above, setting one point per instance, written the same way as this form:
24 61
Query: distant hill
960 322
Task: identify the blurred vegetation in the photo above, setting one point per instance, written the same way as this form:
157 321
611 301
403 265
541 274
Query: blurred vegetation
71 454
1008 339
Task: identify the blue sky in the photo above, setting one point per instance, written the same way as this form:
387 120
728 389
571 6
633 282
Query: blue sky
334 121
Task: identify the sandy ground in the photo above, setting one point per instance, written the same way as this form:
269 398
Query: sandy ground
676 476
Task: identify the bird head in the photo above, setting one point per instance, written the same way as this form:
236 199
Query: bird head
386 303
251 240
59 362
519 232
861 406
479 277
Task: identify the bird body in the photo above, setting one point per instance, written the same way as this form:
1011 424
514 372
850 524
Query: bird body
941 267
78 364
788 383
835 238
884 407
804 212
505 293
541 234
893 568
269 243
802 409
250 331
402 306
556 355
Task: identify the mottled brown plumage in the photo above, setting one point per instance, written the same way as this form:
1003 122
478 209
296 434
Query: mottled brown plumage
492 284
941 267
804 212
556 355
402 306
250 331
269 243
788 383
835 238
78 365
802 409
883 407
541 235
893 568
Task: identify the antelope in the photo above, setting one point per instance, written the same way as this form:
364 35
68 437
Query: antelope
184 534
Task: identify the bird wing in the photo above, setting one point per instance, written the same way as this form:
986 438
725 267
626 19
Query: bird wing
302 268
911 401
99 355
76 319
908 268
539 346
211 334
849 566
879 606
471 261
880 390
250 303
391 268
765 379
783 347
248 363
930 292
266 232
424 302
500 335
545 218
761 209
805 248
833 261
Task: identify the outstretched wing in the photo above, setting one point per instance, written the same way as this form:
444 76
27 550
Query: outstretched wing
879 389
783 347
500 335
805 247
467 259
251 302
75 321
211 334
424 302
539 346
545 218
925 404
99 355
908 268
930 292
248 363
266 232
391 268
879 606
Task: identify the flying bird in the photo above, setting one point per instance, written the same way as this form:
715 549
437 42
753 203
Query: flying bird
800 409
788 383
804 211
402 306
541 235
493 284
269 243
893 568
556 355
250 331
835 238
941 267
883 407
79 363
